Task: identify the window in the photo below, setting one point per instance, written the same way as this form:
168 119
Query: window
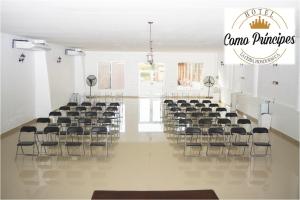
189 74
111 75
149 73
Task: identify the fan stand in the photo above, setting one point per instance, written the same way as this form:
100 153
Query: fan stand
90 88
208 92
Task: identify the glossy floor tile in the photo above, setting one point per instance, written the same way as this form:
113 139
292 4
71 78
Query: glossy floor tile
144 159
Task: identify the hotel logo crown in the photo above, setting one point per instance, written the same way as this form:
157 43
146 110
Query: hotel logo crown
260 24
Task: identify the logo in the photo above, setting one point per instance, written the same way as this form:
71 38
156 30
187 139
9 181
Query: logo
259 36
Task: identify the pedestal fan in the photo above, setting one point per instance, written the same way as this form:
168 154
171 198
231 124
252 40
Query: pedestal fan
209 81
91 81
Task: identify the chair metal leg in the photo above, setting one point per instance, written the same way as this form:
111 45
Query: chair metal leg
22 150
17 152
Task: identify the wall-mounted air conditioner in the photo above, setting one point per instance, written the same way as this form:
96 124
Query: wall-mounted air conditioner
33 45
74 52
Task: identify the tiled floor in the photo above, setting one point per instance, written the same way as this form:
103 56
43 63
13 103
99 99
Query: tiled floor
143 159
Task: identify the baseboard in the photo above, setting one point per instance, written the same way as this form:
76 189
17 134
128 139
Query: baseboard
273 130
284 136
13 130
248 116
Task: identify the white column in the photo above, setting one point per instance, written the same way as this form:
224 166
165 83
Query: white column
255 79
79 75
42 88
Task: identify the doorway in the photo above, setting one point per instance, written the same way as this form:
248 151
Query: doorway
151 79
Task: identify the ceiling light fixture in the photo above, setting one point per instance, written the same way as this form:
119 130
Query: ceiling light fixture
150 54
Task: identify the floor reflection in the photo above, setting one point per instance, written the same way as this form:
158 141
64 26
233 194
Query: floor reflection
150 120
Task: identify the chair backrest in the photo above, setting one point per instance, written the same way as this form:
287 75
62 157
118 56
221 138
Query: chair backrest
112 108
72 104
192 130
55 114
205 109
185 105
175 109
181 101
28 129
64 120
223 121
100 104
80 108
168 101
194 101
185 121
213 105
96 108
108 114
205 121
190 109
221 109
86 103
231 114
27 133
200 105
91 114
72 114
43 120
260 134
180 115
114 104
206 101
101 130
76 130
214 114
243 121
64 108
85 121
51 129
216 130
238 130
105 121
260 130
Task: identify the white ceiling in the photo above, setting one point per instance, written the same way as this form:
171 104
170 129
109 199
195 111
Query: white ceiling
121 25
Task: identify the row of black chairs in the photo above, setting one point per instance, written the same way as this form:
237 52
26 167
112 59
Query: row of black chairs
71 129
198 128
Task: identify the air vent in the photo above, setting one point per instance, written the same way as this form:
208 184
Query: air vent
74 52
31 45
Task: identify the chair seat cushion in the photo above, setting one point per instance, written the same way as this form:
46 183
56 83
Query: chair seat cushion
217 144
73 143
26 143
265 144
97 144
240 144
49 143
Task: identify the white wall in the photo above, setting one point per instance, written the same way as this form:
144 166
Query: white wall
61 75
257 87
132 59
17 85
28 88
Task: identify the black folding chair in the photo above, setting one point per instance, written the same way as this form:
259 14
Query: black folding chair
74 138
51 140
260 138
193 133
238 133
216 138
96 140
27 138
